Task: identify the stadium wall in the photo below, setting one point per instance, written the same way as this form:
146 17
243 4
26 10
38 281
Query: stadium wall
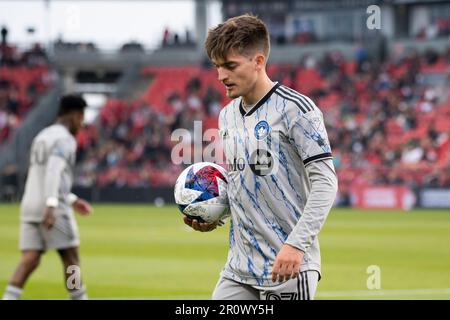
126 194
379 197
289 53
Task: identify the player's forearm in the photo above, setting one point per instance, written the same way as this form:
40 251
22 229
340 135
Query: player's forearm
320 200
55 166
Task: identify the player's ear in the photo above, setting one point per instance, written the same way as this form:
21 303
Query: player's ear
260 61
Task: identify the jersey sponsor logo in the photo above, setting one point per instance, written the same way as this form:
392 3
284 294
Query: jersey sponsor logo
262 130
261 163
223 133
237 165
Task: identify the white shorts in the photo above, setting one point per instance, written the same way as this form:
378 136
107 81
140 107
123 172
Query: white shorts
303 287
64 234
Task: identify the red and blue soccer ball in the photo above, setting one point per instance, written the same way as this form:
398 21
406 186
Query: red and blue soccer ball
201 192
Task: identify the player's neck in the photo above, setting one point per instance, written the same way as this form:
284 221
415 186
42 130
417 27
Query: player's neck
260 90
64 122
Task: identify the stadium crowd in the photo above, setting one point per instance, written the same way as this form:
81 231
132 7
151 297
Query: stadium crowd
24 76
388 123
130 143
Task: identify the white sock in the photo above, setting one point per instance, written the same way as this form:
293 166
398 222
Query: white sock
79 294
12 293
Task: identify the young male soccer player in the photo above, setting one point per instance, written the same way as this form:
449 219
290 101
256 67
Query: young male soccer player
282 181
46 215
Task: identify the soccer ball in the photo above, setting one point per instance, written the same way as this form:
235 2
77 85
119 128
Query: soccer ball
201 192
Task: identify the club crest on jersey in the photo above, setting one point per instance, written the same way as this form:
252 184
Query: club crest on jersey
262 130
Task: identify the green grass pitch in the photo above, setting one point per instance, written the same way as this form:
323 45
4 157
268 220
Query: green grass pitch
144 252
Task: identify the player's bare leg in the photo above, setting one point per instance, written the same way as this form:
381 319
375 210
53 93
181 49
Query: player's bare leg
71 263
28 263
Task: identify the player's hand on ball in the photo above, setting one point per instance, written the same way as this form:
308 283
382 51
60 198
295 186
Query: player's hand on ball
200 226
287 263
49 217
82 207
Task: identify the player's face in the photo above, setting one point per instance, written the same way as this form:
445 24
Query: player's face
77 122
238 73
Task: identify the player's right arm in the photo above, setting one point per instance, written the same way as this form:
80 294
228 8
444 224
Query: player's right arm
201 226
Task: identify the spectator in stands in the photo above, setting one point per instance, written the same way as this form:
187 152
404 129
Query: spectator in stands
431 56
176 39
212 102
193 94
362 58
166 37
22 82
36 56
188 38
4 124
4 34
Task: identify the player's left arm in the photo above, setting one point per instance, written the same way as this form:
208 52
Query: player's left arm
309 136
323 192
80 205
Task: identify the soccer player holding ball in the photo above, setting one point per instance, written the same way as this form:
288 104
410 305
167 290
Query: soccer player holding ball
282 182
46 216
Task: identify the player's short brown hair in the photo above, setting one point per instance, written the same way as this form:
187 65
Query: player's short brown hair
70 103
245 34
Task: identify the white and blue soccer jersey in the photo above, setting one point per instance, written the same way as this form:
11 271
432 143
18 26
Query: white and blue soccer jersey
267 150
42 182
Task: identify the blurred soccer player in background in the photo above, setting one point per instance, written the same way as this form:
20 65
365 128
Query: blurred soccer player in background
282 182
47 220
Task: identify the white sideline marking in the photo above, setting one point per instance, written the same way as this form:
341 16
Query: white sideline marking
375 293
325 294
